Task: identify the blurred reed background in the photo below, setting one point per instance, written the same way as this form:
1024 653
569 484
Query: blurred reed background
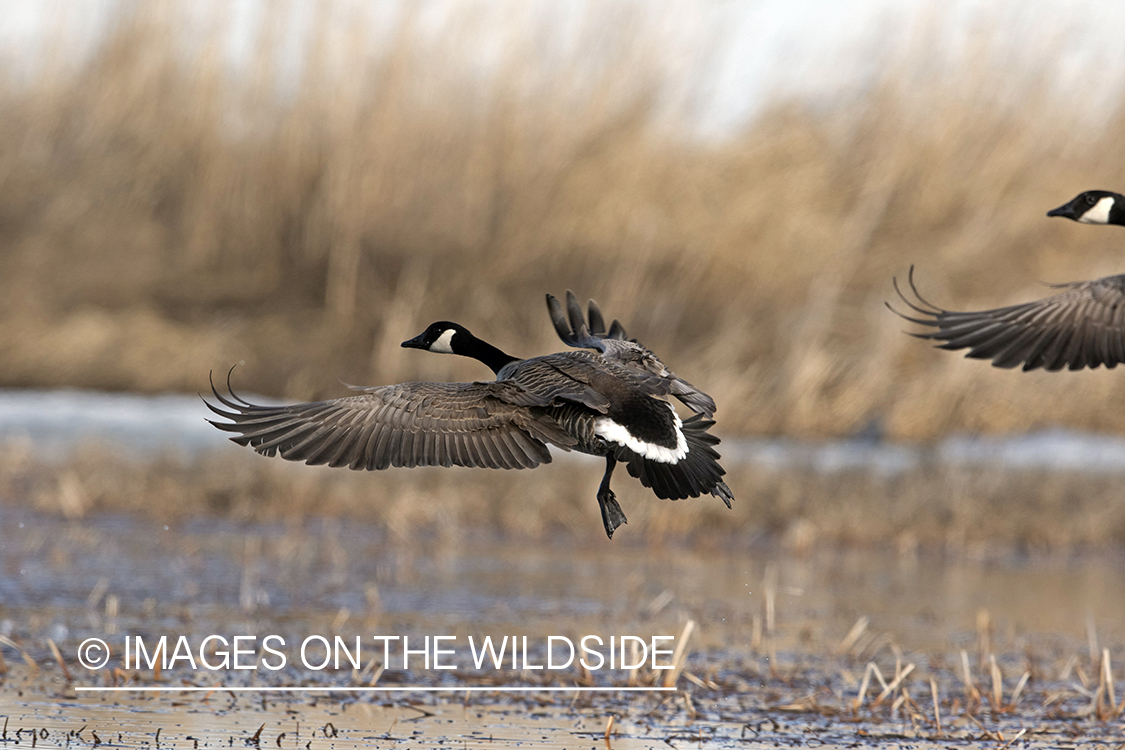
160 217
983 513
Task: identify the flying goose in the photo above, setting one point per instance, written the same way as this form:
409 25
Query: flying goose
610 402
1082 326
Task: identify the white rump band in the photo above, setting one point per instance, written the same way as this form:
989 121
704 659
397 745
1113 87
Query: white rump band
617 433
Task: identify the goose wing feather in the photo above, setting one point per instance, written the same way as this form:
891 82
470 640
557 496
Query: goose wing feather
1082 326
618 349
555 378
572 329
600 375
413 424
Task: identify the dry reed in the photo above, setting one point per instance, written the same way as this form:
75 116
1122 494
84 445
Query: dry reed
162 218
679 656
977 513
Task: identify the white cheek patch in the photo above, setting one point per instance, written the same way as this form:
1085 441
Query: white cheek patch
616 433
444 342
1099 213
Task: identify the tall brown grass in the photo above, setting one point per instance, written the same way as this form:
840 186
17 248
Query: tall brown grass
160 217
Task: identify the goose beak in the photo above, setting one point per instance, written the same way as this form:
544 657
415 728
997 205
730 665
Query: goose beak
1067 211
415 343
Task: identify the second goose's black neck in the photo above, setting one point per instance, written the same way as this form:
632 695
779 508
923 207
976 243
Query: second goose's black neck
470 346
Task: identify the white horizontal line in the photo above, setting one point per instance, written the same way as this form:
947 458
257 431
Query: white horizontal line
474 689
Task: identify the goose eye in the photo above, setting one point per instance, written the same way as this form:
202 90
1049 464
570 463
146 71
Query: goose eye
1091 199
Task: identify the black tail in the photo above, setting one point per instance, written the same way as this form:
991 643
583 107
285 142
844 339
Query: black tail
695 474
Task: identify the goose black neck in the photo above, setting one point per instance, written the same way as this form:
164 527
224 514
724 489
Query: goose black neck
1117 212
486 353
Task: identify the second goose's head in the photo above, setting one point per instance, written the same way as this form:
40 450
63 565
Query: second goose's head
444 337
1094 207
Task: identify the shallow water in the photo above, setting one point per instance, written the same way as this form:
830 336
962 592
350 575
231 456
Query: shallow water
767 661
58 576
223 721
779 649
756 679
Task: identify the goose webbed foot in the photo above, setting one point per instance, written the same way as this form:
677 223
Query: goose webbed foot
612 515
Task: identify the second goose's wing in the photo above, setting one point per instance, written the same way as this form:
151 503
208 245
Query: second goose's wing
412 424
1083 326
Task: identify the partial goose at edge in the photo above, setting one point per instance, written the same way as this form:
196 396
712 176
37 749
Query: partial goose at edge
1082 326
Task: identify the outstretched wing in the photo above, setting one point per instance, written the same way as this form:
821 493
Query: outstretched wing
1083 326
572 328
412 424
617 348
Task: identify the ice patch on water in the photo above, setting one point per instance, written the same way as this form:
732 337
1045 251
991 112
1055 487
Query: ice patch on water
59 419
56 420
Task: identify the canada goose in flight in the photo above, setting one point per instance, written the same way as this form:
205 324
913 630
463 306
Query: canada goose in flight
610 402
1082 326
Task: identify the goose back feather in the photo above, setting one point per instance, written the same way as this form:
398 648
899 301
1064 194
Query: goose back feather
616 347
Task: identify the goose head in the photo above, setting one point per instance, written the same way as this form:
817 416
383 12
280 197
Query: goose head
443 337
1094 207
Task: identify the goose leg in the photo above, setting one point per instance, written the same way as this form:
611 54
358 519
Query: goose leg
612 516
